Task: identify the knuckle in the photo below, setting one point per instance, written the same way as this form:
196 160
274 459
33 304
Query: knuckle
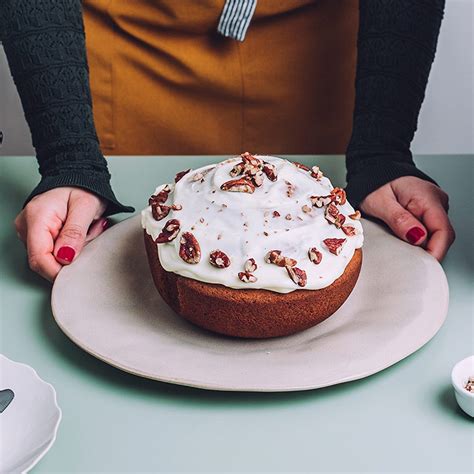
34 263
416 204
400 218
73 232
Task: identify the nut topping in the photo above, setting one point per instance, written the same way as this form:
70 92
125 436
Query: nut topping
258 179
275 257
349 230
306 209
169 231
159 211
316 173
181 174
240 185
315 255
334 245
161 197
333 216
339 196
247 277
219 259
321 201
290 189
189 249
356 216
276 214
250 265
301 166
237 170
297 275
270 171
176 207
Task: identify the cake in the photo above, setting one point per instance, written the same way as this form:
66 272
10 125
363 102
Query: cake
255 246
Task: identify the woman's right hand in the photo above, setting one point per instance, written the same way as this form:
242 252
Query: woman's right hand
56 224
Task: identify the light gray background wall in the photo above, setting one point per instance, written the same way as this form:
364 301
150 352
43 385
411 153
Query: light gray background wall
446 120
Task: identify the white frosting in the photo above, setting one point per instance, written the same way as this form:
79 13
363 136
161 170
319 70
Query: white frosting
235 222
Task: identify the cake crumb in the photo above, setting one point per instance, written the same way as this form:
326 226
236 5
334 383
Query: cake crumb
265 234
470 384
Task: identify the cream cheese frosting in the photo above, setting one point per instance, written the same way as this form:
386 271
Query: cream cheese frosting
278 215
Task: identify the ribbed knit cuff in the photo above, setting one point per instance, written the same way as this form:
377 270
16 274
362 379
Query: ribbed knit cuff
376 175
100 187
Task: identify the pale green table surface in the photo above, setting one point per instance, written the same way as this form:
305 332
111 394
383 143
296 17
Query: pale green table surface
404 419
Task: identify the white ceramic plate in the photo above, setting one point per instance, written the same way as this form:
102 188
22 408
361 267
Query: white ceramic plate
107 304
28 425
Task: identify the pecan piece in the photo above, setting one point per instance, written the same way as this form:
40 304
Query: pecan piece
356 216
161 197
250 265
189 249
240 185
320 201
159 211
349 230
247 277
290 189
181 174
169 231
176 207
315 255
275 257
237 170
334 245
338 196
257 179
301 166
219 259
306 209
297 275
270 171
276 214
333 216
251 161
316 173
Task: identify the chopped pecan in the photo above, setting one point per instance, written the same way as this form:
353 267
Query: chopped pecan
240 185
219 259
315 255
339 196
334 245
349 230
250 265
316 173
161 197
270 171
306 209
320 201
356 216
301 166
275 257
247 277
189 249
333 216
297 275
176 207
290 189
181 174
251 161
169 231
237 170
276 214
159 211
257 178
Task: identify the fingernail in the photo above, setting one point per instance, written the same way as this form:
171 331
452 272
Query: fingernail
414 234
105 224
66 253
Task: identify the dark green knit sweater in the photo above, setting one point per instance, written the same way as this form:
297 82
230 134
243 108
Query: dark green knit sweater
45 46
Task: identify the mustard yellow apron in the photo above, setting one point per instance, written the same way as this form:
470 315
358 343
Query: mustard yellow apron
165 82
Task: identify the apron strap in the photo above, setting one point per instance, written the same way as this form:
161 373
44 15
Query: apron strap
235 18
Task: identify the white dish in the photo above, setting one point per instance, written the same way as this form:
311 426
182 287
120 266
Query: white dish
459 376
29 424
107 304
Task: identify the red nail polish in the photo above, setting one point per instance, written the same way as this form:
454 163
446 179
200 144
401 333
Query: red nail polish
414 234
66 253
105 224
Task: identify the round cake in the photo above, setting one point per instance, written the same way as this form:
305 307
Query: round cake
255 246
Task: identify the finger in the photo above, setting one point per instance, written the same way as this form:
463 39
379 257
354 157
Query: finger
96 228
402 222
20 226
40 244
73 234
441 231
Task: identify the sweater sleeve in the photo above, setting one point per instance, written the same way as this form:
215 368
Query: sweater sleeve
45 46
396 47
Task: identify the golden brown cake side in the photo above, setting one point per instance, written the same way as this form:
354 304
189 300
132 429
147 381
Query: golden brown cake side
250 313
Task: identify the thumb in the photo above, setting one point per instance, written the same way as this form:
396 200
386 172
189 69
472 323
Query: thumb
72 236
402 222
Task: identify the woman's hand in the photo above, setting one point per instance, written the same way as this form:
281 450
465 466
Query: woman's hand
416 211
55 226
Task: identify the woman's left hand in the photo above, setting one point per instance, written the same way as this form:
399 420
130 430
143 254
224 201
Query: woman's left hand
416 211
